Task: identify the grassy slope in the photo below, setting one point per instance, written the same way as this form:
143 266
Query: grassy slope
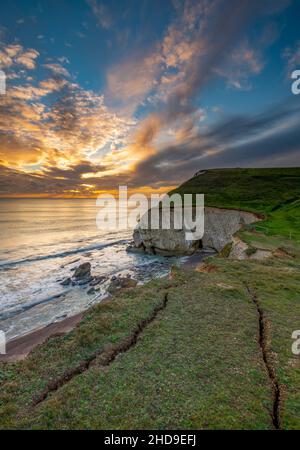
189 369
274 193
197 365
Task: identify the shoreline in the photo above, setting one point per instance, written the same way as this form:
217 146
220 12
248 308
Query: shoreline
20 347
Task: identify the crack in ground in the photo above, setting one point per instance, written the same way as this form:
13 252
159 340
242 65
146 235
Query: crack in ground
263 343
104 357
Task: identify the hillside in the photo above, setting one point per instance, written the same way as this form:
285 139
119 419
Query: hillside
274 193
209 347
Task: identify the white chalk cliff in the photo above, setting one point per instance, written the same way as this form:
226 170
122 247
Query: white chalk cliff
219 227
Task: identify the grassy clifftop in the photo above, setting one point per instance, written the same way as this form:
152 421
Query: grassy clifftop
275 193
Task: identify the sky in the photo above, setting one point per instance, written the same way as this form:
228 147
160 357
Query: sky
144 93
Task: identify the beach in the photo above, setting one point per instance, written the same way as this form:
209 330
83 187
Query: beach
18 348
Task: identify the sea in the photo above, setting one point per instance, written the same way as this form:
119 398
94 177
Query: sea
42 241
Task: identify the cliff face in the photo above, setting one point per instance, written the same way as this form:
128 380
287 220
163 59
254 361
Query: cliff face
222 224
219 227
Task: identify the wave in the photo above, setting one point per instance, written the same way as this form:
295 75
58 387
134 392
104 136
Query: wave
8 313
6 264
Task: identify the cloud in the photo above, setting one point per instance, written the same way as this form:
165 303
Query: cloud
171 75
52 85
15 55
57 69
129 83
149 76
195 47
292 57
27 59
54 181
245 141
243 63
58 138
102 13
268 138
72 125
206 51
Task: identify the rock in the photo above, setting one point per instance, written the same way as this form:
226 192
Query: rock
91 291
133 249
121 283
66 282
137 238
128 283
219 227
84 281
83 271
240 250
221 224
97 280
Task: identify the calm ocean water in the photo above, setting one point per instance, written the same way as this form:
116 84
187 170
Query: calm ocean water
41 241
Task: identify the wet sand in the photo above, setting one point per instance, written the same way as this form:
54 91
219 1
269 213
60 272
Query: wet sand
18 348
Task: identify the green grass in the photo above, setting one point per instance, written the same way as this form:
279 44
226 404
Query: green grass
277 285
274 193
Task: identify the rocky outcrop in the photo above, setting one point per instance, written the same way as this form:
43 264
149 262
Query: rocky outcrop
83 271
221 224
240 250
120 282
219 227
66 282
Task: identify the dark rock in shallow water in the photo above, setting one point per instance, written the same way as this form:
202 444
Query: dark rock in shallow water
66 282
84 281
97 280
83 271
91 291
121 283
132 249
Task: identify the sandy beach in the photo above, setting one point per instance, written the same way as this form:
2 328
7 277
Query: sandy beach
17 349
